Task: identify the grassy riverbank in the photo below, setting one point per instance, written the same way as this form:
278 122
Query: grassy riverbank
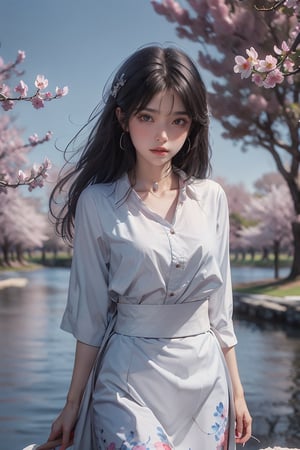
273 288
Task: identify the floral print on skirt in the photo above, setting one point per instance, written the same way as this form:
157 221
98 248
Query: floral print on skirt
163 396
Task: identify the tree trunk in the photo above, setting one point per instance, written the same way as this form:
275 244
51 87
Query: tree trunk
295 270
276 259
19 252
265 254
5 251
252 253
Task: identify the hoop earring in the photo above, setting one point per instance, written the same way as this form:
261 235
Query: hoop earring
189 145
121 142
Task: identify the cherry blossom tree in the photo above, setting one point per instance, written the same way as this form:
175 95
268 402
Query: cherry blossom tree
260 117
54 244
273 214
17 231
22 226
264 184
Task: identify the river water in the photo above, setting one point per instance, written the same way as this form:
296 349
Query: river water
36 360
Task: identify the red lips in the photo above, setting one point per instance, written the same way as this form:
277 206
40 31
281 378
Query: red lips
159 151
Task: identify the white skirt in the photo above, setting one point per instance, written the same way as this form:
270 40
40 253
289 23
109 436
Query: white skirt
149 393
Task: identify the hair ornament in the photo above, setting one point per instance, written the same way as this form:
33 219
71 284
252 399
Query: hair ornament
117 86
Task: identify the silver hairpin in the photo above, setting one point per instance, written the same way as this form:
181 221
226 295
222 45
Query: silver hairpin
117 86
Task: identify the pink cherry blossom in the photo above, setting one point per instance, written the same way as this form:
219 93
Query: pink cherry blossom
47 163
267 64
21 176
61 92
252 55
37 182
274 77
21 56
288 65
243 66
258 79
283 50
46 95
38 174
37 102
5 90
33 139
41 82
7 105
22 88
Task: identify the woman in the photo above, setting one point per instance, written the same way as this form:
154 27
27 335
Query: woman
150 299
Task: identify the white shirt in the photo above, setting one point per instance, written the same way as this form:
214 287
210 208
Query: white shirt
124 252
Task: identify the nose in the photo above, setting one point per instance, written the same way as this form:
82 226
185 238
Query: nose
161 135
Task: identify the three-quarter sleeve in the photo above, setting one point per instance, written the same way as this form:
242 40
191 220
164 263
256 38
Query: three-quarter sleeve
86 313
221 302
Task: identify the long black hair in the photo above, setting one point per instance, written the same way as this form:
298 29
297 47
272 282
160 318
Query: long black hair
148 71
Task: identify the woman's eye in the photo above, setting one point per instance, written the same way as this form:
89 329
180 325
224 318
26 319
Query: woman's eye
180 121
145 118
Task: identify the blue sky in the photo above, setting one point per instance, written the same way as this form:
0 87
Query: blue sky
79 43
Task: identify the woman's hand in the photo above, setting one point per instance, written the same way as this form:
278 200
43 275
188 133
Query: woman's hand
63 427
242 417
243 421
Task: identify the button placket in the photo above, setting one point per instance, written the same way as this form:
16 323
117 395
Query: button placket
178 262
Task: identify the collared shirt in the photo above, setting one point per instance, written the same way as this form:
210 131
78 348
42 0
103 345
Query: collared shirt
124 252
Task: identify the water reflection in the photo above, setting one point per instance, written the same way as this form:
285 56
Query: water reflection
269 365
249 274
36 360
36 357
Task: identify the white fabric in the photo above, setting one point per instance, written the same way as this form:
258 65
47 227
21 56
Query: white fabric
31 447
168 393
162 321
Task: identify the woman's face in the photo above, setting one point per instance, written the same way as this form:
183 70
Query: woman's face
160 129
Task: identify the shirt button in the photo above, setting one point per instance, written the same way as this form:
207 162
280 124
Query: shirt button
171 294
172 231
177 266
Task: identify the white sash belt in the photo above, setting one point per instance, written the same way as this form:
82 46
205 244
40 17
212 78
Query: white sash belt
162 321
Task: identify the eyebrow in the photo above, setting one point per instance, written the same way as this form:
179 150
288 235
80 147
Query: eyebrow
177 113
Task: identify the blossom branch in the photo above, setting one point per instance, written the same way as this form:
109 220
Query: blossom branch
42 96
272 70
37 176
269 71
6 70
36 99
34 140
